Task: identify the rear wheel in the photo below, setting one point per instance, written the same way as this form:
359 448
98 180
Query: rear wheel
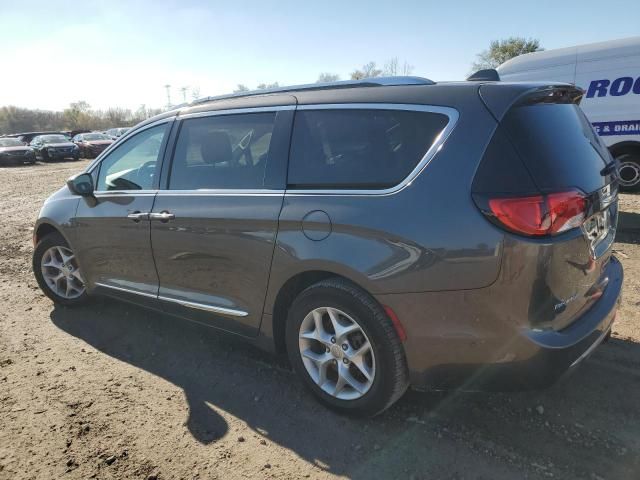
629 172
346 350
57 272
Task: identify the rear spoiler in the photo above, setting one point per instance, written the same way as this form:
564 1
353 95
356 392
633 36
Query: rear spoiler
500 97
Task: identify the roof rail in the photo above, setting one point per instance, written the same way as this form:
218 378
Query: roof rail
365 82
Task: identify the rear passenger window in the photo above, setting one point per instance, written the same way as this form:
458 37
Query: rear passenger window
220 152
359 148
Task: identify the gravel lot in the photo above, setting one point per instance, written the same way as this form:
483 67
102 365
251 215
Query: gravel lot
111 391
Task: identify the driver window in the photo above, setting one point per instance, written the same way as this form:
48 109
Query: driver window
132 165
221 152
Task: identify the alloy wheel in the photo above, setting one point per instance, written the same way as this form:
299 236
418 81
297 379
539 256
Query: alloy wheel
61 273
336 353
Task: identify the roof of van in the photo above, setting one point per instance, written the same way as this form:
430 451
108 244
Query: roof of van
562 56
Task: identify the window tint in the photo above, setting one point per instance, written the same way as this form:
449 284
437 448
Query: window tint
359 148
132 165
227 151
558 146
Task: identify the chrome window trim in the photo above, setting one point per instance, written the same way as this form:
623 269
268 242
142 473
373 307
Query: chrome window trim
185 303
118 193
217 192
234 111
450 112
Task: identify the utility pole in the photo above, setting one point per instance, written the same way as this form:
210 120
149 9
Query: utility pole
184 93
168 87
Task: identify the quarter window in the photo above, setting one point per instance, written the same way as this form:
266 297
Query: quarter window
222 152
132 166
368 148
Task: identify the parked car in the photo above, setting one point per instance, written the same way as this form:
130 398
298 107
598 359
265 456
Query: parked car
13 151
116 133
92 144
54 147
609 72
27 137
392 232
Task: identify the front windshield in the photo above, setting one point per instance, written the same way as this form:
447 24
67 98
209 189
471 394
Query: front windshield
95 136
10 142
54 139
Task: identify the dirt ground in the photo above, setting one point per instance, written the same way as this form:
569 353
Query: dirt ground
111 391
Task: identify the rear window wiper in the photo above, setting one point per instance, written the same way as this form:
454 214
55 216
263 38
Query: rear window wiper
608 168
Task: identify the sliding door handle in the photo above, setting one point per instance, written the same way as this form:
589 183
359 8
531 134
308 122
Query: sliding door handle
162 216
137 216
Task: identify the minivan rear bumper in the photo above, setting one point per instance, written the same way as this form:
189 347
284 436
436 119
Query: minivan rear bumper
478 354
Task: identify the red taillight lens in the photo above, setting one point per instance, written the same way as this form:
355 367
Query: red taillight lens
540 214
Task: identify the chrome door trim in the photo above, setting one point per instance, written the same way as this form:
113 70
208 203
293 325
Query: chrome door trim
125 290
450 112
199 306
209 308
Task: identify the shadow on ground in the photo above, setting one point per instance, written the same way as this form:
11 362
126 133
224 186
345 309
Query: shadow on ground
578 434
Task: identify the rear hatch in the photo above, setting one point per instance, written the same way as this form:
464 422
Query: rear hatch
547 179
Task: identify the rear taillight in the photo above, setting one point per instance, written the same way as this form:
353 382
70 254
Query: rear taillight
540 215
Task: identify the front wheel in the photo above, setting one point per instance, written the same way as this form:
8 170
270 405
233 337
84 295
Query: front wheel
57 272
628 172
344 347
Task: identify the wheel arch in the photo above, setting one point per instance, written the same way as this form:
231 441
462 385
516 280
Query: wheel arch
628 146
287 293
45 227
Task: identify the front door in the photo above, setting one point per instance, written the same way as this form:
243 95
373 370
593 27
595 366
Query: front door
213 227
113 244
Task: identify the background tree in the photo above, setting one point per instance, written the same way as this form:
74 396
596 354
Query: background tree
241 88
502 50
326 77
368 70
263 86
392 67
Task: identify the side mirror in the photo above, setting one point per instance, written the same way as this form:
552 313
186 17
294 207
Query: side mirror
81 184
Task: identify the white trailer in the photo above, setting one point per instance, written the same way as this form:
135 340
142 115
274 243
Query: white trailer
609 73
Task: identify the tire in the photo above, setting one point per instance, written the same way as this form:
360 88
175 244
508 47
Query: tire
355 310
77 293
628 172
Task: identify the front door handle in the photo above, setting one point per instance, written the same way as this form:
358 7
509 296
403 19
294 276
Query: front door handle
137 216
162 216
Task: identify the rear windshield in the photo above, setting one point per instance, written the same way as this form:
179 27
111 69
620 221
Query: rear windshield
359 148
558 146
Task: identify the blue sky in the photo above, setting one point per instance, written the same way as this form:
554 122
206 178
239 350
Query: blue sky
121 53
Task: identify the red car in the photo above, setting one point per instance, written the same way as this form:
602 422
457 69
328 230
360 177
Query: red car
92 144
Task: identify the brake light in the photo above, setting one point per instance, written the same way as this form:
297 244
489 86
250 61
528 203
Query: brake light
540 214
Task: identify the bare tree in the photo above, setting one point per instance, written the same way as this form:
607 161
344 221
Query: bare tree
407 68
368 70
195 93
391 67
241 88
326 77
264 86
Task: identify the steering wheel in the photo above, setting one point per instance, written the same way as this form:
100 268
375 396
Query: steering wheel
144 174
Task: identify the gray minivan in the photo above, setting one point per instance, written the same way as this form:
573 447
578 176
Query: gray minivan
383 233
